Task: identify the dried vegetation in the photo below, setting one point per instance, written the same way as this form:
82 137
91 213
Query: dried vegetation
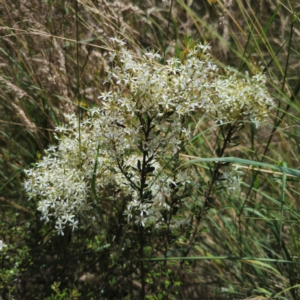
53 59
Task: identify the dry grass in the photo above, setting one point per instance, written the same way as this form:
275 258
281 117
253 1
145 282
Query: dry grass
53 59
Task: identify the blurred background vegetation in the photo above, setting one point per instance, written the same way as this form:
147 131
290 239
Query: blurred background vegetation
53 57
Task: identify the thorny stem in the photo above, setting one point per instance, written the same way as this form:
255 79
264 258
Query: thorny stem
146 128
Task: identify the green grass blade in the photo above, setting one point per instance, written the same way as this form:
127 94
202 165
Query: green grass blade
242 161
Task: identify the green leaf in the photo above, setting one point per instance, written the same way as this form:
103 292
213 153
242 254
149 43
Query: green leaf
150 169
139 165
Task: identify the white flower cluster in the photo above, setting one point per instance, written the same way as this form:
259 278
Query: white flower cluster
237 99
139 126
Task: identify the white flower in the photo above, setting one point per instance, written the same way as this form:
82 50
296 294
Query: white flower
2 245
140 220
232 179
105 96
74 224
152 55
118 41
59 227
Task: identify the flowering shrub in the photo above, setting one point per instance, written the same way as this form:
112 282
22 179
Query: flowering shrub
131 143
122 164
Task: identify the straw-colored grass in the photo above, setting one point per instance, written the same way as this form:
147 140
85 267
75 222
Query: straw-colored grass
54 58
